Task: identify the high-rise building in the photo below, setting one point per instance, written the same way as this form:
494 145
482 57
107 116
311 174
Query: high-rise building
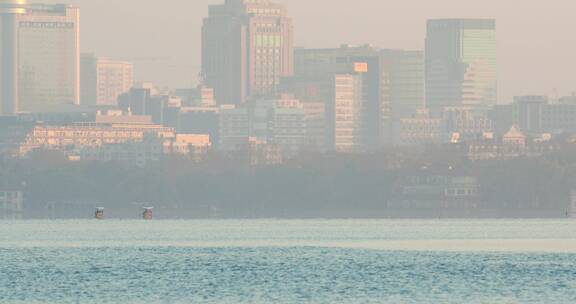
315 116
402 82
49 56
315 73
393 84
402 89
461 63
103 80
247 48
314 70
347 113
9 12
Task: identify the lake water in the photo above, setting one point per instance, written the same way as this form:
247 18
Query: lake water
268 261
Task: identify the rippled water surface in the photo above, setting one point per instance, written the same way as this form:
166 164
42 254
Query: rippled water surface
472 261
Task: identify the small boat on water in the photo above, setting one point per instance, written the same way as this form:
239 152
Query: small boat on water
99 214
148 213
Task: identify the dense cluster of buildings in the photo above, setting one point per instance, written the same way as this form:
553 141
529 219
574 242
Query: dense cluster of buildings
260 93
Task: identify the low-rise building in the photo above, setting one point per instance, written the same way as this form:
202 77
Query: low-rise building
420 129
138 153
512 144
234 128
280 122
195 146
72 138
440 194
571 212
150 149
11 204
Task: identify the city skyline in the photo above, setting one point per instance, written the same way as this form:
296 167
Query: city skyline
172 66
287 151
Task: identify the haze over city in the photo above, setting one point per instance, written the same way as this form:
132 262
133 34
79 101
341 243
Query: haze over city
287 151
534 42
412 90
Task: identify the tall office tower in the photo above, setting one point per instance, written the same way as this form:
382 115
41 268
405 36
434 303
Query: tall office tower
402 82
9 12
461 63
402 88
315 70
393 83
346 113
103 80
49 56
247 48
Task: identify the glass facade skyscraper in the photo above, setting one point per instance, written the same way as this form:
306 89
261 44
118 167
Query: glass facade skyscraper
461 63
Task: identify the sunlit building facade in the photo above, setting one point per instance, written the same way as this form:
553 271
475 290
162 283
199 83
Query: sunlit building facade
347 114
49 56
461 64
393 84
10 10
103 80
71 138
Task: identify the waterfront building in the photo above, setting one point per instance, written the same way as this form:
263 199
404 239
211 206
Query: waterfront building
11 204
419 129
469 122
437 193
150 148
13 131
572 206
512 144
106 130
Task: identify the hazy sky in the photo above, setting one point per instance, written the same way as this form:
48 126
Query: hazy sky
536 39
